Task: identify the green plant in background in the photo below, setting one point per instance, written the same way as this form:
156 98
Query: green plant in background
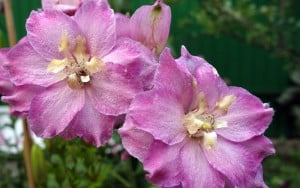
76 164
272 25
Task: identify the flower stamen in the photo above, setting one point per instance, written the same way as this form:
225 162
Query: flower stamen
77 66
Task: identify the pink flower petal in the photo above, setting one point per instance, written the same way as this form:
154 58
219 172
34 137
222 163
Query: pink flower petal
127 51
93 127
193 63
239 161
246 118
54 108
136 142
172 76
210 83
20 99
112 90
122 25
196 169
163 164
67 6
26 66
6 86
96 20
45 30
159 113
256 182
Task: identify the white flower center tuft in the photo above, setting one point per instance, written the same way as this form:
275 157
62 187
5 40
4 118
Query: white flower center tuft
78 65
201 123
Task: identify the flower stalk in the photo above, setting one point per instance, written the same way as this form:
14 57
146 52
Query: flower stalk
10 23
27 143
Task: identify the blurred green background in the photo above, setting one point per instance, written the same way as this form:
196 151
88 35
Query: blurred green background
254 44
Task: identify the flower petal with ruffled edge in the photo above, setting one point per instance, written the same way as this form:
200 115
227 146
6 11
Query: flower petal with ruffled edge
96 20
26 66
246 118
170 75
112 90
196 170
159 113
193 63
162 164
53 109
127 51
45 30
20 99
90 125
135 140
239 161
6 86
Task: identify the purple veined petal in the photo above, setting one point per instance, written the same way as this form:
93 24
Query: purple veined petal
20 99
53 109
26 66
239 161
90 125
173 77
151 25
45 30
96 20
162 164
196 169
6 86
246 118
122 25
135 141
112 90
159 113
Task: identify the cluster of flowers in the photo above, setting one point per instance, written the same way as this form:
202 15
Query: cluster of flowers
82 67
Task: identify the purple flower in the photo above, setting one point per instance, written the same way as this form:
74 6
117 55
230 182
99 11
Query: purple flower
192 130
86 76
149 25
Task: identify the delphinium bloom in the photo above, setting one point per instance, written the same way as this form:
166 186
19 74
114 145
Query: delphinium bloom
194 131
87 77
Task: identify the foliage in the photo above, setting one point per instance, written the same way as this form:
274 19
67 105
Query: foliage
279 175
76 164
272 25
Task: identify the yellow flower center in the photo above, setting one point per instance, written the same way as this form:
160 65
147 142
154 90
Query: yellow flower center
78 65
201 123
